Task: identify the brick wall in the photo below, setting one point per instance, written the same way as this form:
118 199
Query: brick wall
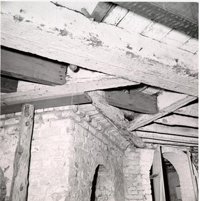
137 165
66 150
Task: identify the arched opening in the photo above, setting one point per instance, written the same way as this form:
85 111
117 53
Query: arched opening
102 185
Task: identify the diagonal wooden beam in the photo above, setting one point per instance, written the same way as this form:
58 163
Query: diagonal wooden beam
96 46
167 102
115 116
189 110
31 68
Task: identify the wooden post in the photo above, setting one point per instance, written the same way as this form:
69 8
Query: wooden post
22 155
3 190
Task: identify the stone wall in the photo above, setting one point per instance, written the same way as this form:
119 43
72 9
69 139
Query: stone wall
66 150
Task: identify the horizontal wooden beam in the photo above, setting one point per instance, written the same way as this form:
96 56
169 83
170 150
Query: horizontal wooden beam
179 120
8 85
92 46
174 101
171 130
189 110
181 16
31 68
138 101
73 99
167 142
50 96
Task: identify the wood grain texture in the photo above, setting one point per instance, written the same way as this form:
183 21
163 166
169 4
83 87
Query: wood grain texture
171 130
138 102
19 185
40 103
167 103
96 46
115 116
173 138
28 67
178 120
3 189
30 93
8 85
189 110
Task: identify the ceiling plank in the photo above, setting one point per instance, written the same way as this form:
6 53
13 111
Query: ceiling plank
41 93
164 107
182 16
8 85
138 101
96 46
115 116
31 68
173 138
171 130
189 110
179 120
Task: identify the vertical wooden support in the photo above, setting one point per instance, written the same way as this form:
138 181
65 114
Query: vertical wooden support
158 181
22 155
2 186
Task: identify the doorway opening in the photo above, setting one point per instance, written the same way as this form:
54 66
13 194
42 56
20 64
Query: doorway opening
102 185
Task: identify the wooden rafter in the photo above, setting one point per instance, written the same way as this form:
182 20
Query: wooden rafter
96 46
8 85
167 103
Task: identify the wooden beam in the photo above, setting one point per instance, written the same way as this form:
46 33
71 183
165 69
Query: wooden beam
19 184
174 101
181 16
46 96
179 120
92 46
31 68
173 138
138 101
163 142
73 99
114 116
3 189
100 11
8 85
189 110
171 130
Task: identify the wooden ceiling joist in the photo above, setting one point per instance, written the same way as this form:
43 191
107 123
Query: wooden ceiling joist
8 85
29 67
138 102
70 37
189 110
167 103
171 130
53 96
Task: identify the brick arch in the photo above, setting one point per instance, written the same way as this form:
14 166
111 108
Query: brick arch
104 184
180 162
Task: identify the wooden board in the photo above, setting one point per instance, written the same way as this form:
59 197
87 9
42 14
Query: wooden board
19 187
8 85
190 110
39 93
68 36
166 137
39 103
179 120
164 107
100 11
171 130
138 101
28 67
